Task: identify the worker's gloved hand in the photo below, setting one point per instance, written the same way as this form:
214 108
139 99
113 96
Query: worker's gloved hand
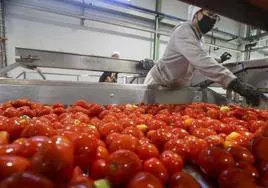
146 64
225 56
253 97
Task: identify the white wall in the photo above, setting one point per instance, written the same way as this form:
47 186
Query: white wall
36 29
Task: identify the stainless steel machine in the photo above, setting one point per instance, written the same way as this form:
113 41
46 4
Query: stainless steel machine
254 72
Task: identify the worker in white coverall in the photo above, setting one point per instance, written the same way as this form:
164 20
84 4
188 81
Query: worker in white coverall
185 54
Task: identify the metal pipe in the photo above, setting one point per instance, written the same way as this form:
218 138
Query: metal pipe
158 6
4 54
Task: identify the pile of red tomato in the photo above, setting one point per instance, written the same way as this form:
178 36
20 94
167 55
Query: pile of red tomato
87 145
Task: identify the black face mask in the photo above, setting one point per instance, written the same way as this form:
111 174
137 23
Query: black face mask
206 24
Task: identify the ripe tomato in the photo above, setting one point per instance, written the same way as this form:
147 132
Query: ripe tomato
259 148
122 165
81 103
249 168
172 161
160 137
203 132
109 128
179 133
214 140
38 128
157 168
144 180
123 142
98 169
82 117
102 153
10 149
26 180
183 180
54 157
156 124
11 112
12 164
133 131
126 122
238 177
85 147
178 146
241 154
264 179
72 136
194 146
111 137
147 150
14 127
214 160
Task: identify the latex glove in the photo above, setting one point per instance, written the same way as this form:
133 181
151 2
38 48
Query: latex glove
146 64
253 97
225 56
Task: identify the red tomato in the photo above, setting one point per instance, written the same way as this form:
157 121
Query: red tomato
183 180
85 150
123 142
262 166
14 127
144 180
241 154
102 153
156 124
126 122
133 131
157 168
81 103
95 110
101 143
264 179
26 180
163 117
20 102
259 148
238 177
38 128
72 136
12 164
178 146
27 149
255 125
10 149
122 165
98 169
214 140
82 117
54 156
179 133
11 112
111 137
172 161
194 147
160 137
109 128
203 132
147 150
214 160
249 168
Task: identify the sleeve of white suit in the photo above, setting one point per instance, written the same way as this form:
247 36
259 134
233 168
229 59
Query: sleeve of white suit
189 46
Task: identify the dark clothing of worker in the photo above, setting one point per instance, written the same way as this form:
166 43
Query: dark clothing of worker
104 77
